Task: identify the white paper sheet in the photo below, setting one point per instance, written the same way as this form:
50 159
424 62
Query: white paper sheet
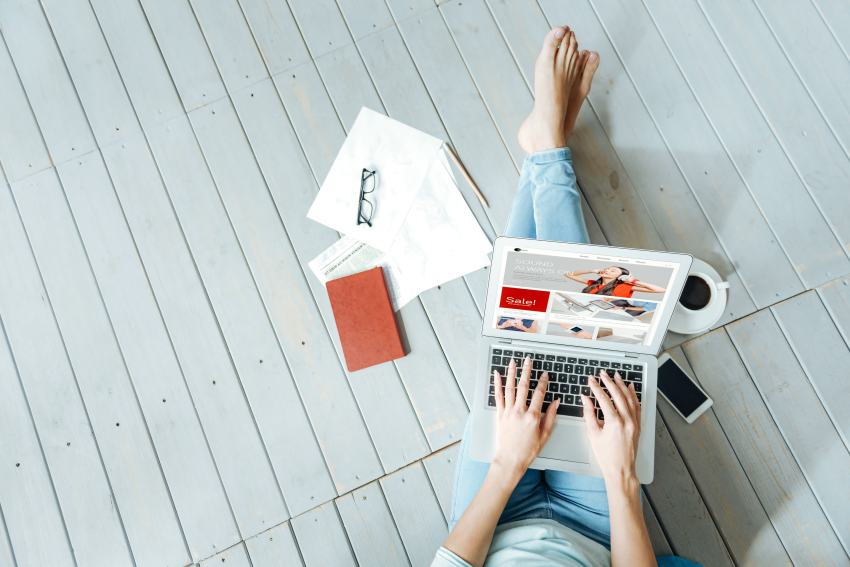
401 155
427 234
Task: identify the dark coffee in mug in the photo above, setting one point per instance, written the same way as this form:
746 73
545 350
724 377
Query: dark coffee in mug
696 293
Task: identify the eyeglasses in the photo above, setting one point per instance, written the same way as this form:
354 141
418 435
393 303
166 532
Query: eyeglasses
365 207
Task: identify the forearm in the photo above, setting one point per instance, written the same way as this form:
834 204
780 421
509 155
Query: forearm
630 543
470 539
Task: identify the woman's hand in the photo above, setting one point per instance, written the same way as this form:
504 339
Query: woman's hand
522 429
615 441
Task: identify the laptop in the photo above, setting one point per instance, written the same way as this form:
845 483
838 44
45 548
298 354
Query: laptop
553 302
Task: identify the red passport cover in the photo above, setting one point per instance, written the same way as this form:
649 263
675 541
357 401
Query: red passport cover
365 319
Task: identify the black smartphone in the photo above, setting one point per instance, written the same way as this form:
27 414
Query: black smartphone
686 397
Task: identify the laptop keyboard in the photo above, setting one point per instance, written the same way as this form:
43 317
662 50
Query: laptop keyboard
568 376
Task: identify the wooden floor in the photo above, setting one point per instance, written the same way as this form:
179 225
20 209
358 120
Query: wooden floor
171 390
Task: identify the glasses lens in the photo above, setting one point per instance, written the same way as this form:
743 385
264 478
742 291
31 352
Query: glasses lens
367 181
366 210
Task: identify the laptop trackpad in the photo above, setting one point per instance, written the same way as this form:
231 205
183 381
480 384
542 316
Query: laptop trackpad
568 443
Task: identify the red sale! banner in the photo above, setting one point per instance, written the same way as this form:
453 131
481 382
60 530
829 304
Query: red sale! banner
527 299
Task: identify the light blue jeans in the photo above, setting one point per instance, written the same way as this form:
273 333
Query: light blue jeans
547 207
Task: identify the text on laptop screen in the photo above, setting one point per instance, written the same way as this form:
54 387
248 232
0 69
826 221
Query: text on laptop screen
582 296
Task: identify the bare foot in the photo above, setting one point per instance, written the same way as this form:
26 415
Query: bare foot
588 64
555 71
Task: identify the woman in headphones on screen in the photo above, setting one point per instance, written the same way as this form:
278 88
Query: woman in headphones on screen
613 280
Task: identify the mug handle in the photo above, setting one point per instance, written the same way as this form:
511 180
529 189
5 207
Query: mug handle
722 285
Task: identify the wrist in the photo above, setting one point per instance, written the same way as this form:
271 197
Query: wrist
506 471
623 484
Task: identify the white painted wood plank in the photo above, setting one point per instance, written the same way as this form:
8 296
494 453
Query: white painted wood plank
836 297
43 75
416 512
726 490
738 121
34 522
370 527
321 538
234 440
273 28
236 556
441 467
188 466
380 394
462 111
321 25
264 372
762 452
277 408
819 353
274 548
783 99
305 342
87 59
817 58
699 154
492 67
223 410
343 71
134 50
680 506
837 18
82 488
798 413
365 16
601 176
230 42
679 218
148 515
179 37
403 9
6 555
20 155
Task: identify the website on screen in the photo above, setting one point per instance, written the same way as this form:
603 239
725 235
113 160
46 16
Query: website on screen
582 296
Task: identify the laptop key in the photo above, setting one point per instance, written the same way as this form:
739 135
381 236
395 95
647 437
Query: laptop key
497 360
491 401
564 388
571 360
638 387
582 380
506 360
562 359
579 369
615 365
582 361
562 378
573 379
539 356
547 397
547 366
585 390
558 367
537 364
574 389
507 352
568 398
553 386
604 364
497 351
594 363
627 366
599 415
568 368
550 357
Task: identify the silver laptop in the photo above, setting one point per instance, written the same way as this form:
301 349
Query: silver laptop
575 309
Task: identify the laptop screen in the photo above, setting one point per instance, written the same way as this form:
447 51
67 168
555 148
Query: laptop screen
573 294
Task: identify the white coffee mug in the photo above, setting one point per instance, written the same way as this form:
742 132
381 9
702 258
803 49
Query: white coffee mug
689 321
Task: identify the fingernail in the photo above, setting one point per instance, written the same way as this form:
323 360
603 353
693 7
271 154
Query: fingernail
559 32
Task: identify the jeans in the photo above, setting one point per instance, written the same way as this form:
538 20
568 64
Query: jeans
547 207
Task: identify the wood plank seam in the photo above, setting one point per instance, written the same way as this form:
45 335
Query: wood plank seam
734 162
768 122
803 470
76 385
802 82
35 431
193 261
737 459
676 160
830 28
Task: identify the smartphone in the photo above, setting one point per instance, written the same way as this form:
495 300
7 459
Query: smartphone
686 397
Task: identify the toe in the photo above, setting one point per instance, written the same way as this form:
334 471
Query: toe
551 41
589 68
